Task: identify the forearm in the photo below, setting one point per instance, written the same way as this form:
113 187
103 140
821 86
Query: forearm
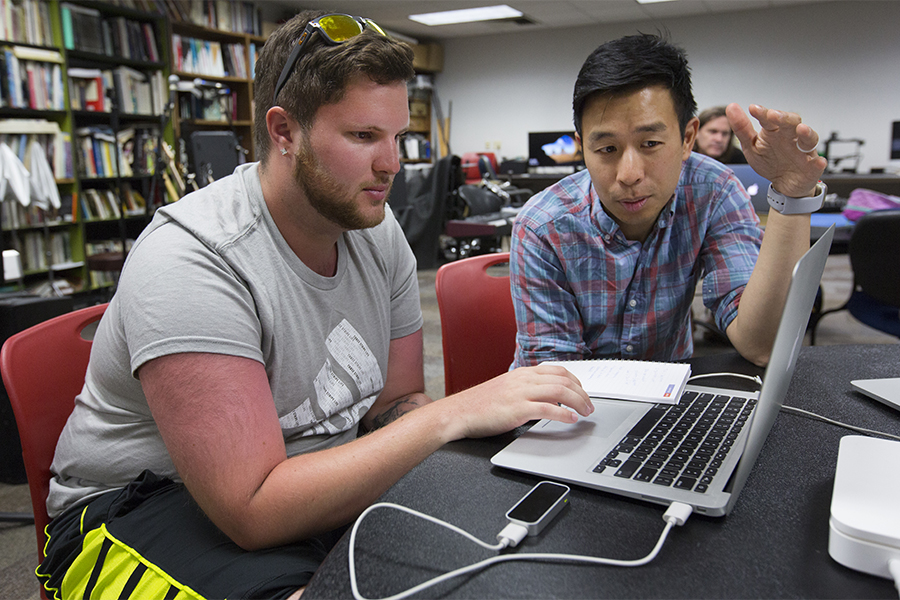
317 492
379 416
753 330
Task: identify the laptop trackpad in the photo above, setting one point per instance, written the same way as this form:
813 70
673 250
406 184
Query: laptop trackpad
551 443
606 420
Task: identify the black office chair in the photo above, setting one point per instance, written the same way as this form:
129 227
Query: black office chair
214 154
420 205
874 249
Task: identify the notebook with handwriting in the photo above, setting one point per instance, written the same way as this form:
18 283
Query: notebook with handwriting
639 380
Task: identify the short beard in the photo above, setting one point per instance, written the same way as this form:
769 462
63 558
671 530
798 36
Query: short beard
327 196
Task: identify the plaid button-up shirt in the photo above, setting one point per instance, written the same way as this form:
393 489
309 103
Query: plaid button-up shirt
581 290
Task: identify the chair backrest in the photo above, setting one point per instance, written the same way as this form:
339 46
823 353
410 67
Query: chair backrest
874 252
478 323
43 369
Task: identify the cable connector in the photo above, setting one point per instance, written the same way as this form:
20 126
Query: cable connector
512 534
677 513
894 570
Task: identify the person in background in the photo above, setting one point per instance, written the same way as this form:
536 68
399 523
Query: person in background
605 263
716 139
257 380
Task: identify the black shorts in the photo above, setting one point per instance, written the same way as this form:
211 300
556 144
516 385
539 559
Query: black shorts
151 540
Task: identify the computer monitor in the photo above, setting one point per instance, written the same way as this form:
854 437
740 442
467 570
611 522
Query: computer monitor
554 149
895 141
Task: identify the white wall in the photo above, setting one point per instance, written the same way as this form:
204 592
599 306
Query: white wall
835 63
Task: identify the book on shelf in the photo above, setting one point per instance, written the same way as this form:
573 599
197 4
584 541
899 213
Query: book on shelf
139 93
208 57
31 78
129 39
82 28
100 204
26 21
40 251
132 201
96 149
16 216
20 134
208 105
135 92
103 278
88 30
254 55
227 15
97 204
138 146
638 380
87 89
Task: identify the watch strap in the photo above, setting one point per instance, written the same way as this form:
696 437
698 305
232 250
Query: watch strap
797 206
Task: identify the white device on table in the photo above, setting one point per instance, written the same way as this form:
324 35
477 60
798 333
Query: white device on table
864 528
537 508
886 391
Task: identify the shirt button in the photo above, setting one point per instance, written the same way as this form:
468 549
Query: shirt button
607 237
629 348
632 303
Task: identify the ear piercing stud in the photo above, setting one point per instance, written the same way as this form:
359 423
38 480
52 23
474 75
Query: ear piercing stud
284 151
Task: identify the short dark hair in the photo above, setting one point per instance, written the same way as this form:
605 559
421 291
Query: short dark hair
322 73
633 63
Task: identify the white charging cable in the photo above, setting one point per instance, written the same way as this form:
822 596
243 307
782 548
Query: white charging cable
511 535
800 411
754 378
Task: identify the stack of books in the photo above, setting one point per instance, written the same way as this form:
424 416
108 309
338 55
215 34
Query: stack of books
31 78
86 30
135 92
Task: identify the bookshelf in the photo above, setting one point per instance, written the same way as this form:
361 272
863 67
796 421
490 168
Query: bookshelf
215 70
116 59
36 145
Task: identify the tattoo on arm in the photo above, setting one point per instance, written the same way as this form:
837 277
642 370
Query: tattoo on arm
399 408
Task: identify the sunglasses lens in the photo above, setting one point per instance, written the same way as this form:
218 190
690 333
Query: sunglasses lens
340 28
373 25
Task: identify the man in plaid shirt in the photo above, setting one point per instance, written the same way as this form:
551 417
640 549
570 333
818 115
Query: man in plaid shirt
604 263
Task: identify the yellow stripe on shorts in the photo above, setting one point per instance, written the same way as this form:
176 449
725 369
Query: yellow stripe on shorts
108 568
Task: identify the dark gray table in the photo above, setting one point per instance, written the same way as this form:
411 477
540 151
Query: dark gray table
773 544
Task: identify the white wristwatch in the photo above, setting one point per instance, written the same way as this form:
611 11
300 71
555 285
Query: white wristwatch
797 206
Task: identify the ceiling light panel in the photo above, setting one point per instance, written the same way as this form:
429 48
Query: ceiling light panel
467 15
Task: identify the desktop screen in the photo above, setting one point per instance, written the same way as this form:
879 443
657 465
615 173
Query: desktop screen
895 141
553 149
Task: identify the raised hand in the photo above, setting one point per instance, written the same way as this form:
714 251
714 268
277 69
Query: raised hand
783 151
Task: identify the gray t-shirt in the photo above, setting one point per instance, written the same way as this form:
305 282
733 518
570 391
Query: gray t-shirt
212 273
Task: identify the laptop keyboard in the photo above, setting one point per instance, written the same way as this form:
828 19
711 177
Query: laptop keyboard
680 445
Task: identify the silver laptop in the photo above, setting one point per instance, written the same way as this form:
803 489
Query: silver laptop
700 451
756 185
885 390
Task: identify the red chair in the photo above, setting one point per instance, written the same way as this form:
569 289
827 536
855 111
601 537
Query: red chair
43 369
478 323
472 169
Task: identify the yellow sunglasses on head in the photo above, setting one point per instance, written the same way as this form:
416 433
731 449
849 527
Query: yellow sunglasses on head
334 29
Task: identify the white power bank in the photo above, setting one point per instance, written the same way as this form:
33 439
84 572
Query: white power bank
864 529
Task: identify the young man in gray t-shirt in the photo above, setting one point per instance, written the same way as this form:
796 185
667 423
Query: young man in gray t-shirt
260 325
